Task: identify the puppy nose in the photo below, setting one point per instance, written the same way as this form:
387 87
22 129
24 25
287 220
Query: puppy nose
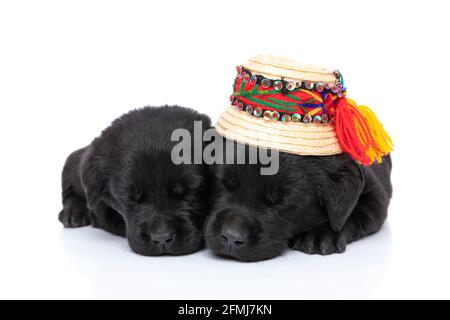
162 238
233 238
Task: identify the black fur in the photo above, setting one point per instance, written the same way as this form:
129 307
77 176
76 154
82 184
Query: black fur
314 204
125 182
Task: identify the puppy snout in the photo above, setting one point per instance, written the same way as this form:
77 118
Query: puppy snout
162 238
231 233
234 238
243 234
157 234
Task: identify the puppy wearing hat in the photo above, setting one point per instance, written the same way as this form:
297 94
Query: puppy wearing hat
333 185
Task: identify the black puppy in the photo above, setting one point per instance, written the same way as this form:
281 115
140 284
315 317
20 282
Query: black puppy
126 183
313 204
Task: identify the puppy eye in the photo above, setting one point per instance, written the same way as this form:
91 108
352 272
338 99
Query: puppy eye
177 190
136 197
274 197
230 183
136 194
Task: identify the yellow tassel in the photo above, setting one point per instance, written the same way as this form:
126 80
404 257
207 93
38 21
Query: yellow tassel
359 132
382 141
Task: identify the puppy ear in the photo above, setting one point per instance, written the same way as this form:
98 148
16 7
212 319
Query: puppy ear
339 193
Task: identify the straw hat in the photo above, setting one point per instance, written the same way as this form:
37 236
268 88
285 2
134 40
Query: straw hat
300 109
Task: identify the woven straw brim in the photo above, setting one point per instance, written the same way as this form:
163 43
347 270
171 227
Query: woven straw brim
295 138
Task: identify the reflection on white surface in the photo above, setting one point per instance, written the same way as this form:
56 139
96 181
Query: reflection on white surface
111 270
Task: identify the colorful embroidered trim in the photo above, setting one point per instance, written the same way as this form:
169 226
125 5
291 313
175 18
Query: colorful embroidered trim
284 100
274 115
359 132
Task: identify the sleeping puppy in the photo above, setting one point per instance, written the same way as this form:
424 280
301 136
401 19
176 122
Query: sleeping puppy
314 204
125 182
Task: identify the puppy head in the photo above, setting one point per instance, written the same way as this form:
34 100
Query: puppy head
254 217
164 205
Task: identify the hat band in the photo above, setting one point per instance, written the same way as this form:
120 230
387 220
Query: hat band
274 115
285 100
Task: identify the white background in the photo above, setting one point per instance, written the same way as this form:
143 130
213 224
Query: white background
68 68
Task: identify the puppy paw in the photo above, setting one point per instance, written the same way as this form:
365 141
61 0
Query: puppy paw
322 241
74 216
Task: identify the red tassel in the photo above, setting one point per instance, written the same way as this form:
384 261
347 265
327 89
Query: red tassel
352 131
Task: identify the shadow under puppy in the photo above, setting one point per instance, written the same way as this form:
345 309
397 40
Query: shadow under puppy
126 183
333 185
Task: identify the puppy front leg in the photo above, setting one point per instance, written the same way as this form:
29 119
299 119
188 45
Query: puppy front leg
367 218
322 241
75 212
106 218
